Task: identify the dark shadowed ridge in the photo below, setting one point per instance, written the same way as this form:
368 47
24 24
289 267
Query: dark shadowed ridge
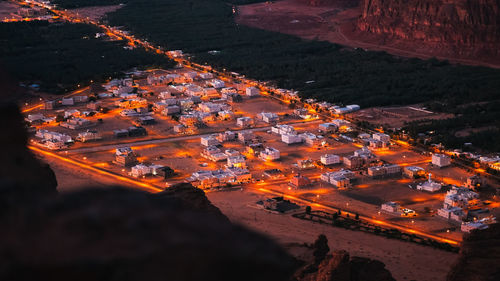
117 233
479 257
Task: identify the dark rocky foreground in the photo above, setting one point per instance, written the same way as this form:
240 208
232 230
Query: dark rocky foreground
121 234
116 233
479 257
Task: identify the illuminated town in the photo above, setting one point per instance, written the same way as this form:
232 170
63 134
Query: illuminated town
258 148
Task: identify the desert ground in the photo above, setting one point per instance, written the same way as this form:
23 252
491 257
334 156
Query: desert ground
96 12
406 261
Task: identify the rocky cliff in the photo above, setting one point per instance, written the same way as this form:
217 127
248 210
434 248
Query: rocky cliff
339 266
463 26
119 234
22 177
479 257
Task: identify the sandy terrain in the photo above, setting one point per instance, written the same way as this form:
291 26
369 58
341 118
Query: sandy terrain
71 179
335 24
406 261
97 12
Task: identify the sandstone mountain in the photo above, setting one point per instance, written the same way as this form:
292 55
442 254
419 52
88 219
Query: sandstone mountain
463 27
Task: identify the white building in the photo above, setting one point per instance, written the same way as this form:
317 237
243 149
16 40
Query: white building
454 214
34 117
54 144
211 107
225 115
330 159
327 127
209 141
459 197
340 122
391 207
213 153
469 226
252 92
311 139
440 160
283 129
429 185
413 171
246 136
206 75
216 83
140 170
269 154
237 161
226 136
392 169
244 122
340 179
381 137
88 136
291 138
67 101
268 117
48 135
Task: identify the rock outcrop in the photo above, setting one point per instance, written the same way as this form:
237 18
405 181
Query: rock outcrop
464 27
119 234
339 266
479 257
22 176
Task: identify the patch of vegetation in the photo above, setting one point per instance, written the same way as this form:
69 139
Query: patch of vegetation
355 224
483 115
334 73
60 56
339 74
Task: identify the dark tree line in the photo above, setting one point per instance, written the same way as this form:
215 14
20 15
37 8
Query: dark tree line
60 56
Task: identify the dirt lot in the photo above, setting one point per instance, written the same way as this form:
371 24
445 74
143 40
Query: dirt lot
334 23
97 12
395 117
406 261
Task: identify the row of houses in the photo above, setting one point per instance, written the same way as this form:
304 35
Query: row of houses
220 178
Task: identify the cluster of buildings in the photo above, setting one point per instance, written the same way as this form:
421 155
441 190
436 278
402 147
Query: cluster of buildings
290 136
341 179
360 159
324 106
53 140
376 141
461 206
143 170
220 178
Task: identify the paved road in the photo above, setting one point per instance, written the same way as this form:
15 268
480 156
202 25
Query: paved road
331 208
